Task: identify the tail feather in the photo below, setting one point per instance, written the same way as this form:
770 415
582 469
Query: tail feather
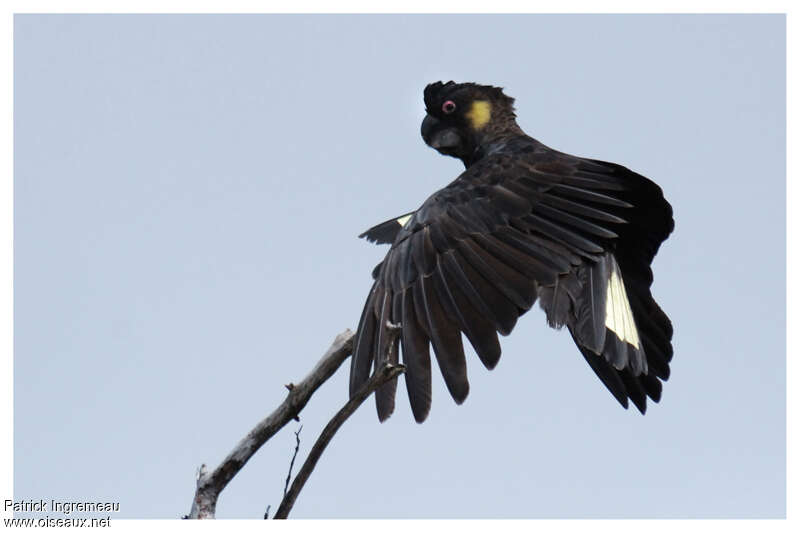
592 301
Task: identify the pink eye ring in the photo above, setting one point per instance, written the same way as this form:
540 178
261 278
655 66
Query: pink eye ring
448 107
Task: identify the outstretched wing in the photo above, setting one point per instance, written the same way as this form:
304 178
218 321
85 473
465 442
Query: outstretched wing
477 255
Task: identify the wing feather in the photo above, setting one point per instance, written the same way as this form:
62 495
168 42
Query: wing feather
361 361
386 232
447 346
580 193
519 289
416 358
480 331
574 241
480 293
385 395
559 216
581 209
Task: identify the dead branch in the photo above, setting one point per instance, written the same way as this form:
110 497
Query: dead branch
209 486
383 375
291 465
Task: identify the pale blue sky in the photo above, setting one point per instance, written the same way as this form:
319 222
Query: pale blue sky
188 191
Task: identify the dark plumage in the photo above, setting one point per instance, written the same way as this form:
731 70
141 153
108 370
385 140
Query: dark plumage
522 222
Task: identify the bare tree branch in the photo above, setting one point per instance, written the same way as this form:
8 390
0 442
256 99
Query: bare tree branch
291 465
209 486
383 375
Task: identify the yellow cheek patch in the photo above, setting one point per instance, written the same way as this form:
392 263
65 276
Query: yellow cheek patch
479 114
